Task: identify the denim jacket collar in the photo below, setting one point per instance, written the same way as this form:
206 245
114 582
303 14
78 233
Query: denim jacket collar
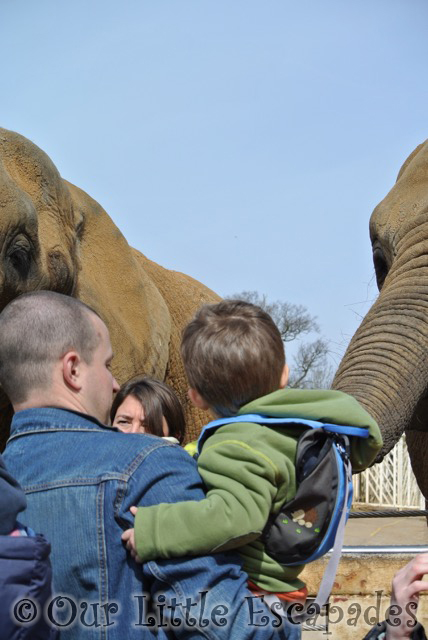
53 419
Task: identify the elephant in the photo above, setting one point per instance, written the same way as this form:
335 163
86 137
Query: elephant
386 364
55 236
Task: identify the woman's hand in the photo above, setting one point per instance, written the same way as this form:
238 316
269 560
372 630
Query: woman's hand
406 587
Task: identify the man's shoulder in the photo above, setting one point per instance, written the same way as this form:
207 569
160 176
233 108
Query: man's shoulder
129 451
87 444
141 443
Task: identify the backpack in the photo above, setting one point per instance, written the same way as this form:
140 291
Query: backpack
313 522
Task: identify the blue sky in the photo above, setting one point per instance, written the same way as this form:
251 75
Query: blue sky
242 142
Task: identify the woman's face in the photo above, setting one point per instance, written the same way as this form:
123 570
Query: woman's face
130 417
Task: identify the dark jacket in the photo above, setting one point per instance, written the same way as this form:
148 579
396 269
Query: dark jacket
378 632
25 575
25 570
12 500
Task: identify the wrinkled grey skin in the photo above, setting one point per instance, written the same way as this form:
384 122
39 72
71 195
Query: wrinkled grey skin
386 364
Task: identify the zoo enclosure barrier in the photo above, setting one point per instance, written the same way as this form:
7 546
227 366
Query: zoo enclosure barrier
390 483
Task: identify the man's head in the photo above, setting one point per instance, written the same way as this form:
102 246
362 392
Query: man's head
233 353
55 351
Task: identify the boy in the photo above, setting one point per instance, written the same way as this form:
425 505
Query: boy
235 363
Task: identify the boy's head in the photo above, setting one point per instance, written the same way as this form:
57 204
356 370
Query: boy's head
233 353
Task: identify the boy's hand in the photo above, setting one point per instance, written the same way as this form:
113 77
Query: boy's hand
128 537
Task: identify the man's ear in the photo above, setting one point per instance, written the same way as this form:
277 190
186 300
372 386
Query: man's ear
71 370
197 400
284 377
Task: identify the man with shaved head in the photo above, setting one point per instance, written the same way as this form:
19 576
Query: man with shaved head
81 478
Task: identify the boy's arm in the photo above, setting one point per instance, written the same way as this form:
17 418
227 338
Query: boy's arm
205 597
233 513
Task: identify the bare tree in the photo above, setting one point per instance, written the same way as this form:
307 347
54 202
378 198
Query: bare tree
310 368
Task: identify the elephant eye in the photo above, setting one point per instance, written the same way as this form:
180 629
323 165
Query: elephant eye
19 255
380 265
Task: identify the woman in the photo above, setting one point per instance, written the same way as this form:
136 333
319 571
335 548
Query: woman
146 405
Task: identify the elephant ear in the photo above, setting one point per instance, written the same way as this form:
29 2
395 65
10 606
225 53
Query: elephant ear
410 158
113 282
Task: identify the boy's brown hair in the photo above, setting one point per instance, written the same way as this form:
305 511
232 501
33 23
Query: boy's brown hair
233 353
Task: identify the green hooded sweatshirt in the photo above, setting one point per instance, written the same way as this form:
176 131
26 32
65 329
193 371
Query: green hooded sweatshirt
249 472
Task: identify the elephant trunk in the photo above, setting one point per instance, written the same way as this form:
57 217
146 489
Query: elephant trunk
385 366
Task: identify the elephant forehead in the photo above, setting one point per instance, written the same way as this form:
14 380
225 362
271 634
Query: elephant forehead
34 173
406 205
33 196
16 206
21 212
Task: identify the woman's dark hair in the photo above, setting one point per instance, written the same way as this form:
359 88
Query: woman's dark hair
158 400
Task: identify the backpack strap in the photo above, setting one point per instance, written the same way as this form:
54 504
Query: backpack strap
212 426
330 571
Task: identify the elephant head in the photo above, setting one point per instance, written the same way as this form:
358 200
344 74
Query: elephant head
38 240
54 236
386 364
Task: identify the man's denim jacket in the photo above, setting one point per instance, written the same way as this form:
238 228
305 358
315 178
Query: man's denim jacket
81 479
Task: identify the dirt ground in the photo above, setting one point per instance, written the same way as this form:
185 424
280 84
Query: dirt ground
386 531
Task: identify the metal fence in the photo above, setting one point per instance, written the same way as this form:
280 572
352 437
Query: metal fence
390 483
